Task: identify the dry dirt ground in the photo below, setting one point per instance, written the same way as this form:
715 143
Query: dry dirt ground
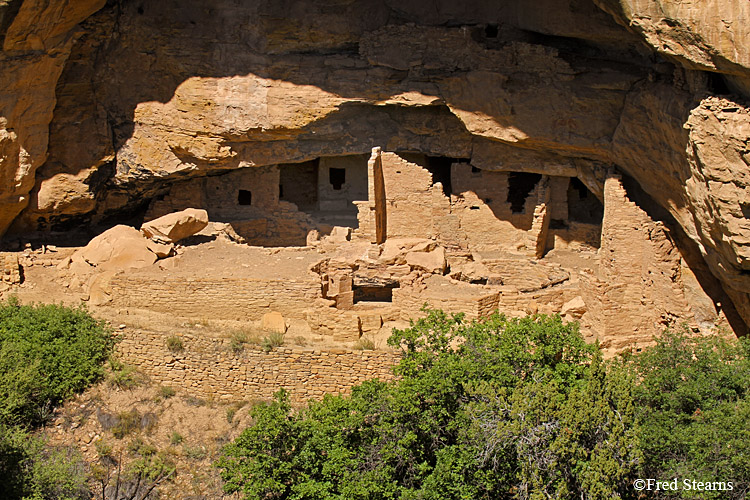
128 423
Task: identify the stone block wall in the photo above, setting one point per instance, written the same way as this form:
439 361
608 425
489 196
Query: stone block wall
225 298
639 291
480 201
11 270
450 296
409 198
207 367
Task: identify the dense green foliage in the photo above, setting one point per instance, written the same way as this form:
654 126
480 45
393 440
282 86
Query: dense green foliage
693 402
510 409
493 409
47 354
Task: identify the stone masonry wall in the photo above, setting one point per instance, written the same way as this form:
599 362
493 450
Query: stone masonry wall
226 298
207 367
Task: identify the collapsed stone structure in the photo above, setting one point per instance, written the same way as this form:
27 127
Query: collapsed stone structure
553 153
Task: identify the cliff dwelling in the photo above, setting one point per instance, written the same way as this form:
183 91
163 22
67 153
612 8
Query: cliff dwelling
332 167
351 246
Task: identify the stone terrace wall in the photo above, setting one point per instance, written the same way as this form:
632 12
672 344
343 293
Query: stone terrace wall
225 298
207 368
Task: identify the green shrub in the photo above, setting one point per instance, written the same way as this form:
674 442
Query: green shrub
30 469
272 341
693 404
518 408
176 438
480 410
124 376
174 344
166 391
47 354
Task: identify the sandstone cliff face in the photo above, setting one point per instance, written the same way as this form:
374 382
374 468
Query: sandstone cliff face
97 120
36 39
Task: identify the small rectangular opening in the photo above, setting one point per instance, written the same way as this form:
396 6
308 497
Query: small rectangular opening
337 177
244 197
372 293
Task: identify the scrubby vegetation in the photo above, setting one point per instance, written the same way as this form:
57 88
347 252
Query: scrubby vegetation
501 408
47 354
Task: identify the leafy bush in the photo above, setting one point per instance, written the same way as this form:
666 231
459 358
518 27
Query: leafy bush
492 409
693 403
47 354
32 470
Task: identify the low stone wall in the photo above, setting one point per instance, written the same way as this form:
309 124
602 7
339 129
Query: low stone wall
225 298
207 368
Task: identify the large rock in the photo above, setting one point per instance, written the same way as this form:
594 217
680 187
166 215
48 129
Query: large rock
36 38
431 262
121 247
273 322
707 35
172 228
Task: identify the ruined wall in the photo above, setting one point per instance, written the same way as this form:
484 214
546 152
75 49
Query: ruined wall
354 188
639 292
247 199
208 368
480 201
409 198
225 297
450 296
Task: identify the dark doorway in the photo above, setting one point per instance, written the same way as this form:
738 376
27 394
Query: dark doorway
583 206
373 293
520 185
298 184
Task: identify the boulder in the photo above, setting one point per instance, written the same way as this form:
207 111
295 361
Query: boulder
120 247
273 322
574 308
340 234
431 262
395 249
176 226
161 250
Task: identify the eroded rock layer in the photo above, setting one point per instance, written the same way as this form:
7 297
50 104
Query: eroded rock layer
101 121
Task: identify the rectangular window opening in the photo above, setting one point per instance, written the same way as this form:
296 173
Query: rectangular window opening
373 293
337 177
244 197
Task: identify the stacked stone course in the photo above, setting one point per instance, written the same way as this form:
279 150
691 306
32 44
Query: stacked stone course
208 368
